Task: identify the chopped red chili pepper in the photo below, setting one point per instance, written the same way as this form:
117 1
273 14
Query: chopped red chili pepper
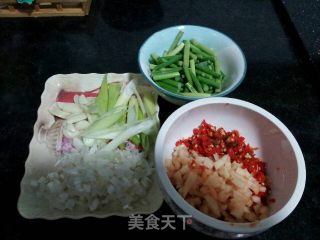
208 140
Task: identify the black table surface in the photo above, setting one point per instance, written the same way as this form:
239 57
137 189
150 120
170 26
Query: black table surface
279 78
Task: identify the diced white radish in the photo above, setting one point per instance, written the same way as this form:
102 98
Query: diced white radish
214 180
237 180
256 199
243 172
218 164
226 189
262 189
191 180
213 206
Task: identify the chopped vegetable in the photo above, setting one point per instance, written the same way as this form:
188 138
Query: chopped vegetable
176 40
176 50
106 120
102 99
161 76
219 174
142 126
186 54
187 62
95 181
114 92
149 103
195 81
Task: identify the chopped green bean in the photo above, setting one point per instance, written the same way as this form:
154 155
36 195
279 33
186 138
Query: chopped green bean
216 83
193 56
169 62
219 88
196 81
176 50
217 67
152 66
203 57
168 87
188 76
167 58
178 78
205 87
171 82
192 66
176 40
191 88
167 70
203 47
199 53
207 70
155 58
161 76
186 54
204 63
203 74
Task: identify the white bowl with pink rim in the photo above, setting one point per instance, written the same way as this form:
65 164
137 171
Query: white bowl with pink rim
276 146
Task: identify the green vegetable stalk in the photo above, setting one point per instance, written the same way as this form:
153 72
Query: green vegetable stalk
103 98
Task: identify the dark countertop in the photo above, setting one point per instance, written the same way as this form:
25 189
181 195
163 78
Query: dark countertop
278 79
305 18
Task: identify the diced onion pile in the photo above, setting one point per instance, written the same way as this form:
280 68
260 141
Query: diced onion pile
217 186
92 181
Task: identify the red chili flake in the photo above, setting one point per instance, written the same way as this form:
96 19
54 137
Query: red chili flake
262 194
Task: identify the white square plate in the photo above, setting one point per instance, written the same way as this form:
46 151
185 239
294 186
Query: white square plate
41 159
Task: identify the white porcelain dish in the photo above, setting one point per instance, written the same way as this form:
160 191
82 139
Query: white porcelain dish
41 158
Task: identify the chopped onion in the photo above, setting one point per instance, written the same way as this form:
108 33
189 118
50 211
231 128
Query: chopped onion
90 181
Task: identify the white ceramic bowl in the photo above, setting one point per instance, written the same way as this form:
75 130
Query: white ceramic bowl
277 147
231 57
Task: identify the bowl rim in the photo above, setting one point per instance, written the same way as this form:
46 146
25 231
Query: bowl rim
189 98
212 222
